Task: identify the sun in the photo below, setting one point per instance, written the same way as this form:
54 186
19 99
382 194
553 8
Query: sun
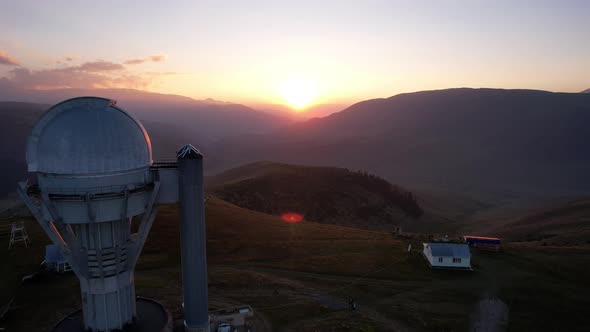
298 93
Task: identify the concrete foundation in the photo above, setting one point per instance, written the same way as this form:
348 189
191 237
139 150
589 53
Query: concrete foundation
151 317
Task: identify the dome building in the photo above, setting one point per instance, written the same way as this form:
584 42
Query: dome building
92 161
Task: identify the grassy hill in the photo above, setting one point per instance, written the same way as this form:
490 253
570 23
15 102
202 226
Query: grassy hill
323 194
298 277
235 236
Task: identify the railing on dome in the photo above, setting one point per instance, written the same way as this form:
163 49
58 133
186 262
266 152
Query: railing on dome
96 192
103 190
166 163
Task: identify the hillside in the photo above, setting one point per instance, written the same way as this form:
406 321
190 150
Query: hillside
299 277
236 234
563 225
525 141
321 194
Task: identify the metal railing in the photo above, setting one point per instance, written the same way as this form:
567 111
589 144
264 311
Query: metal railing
93 191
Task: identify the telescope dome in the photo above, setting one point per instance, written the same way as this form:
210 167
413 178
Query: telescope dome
88 135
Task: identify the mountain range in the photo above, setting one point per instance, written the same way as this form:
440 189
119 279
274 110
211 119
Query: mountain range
171 121
201 120
514 140
462 140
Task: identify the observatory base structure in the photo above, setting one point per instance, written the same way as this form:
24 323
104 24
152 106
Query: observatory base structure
151 317
94 178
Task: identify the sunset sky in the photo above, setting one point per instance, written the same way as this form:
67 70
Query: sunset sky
290 51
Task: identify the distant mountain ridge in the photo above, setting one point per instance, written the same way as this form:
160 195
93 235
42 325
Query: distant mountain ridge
220 119
585 91
458 139
523 140
170 121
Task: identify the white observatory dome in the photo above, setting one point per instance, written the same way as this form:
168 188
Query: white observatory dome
88 135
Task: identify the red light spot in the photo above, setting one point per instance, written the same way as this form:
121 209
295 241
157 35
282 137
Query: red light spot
292 217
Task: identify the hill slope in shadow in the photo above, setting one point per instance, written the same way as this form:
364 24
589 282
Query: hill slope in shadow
566 224
322 194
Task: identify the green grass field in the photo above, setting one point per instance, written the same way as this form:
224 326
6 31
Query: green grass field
298 277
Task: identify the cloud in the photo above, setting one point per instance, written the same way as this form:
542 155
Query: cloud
89 75
134 61
152 58
163 73
157 58
5 59
98 66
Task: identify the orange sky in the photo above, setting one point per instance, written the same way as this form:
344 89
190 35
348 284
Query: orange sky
268 52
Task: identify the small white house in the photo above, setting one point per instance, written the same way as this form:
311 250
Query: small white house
447 255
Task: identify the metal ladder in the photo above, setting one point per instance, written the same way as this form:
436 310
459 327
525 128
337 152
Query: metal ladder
18 233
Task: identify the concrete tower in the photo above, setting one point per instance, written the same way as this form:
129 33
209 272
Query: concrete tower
193 239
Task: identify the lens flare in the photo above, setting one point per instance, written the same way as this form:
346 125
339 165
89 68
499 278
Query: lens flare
292 217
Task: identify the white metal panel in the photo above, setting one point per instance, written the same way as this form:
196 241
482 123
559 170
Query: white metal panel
87 135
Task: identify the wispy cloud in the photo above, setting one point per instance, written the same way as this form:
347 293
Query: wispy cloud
134 61
71 78
157 58
5 59
99 66
90 75
163 73
71 57
152 58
